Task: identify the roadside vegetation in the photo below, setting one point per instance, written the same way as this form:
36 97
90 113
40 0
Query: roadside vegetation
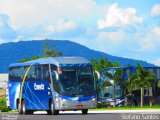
3 107
140 80
145 107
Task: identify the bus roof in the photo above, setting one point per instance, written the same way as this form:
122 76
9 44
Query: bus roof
131 67
59 61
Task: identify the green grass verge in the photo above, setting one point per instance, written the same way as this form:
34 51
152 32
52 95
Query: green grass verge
155 107
11 111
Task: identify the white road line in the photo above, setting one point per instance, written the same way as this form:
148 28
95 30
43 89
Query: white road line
107 111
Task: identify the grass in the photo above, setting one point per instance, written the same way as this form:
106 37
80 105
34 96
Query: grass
154 107
146 107
12 111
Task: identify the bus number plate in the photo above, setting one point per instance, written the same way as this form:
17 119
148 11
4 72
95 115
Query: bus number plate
79 106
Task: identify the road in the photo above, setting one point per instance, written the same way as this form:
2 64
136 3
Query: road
92 115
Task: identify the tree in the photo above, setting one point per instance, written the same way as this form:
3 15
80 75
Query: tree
116 64
141 79
103 63
128 65
48 52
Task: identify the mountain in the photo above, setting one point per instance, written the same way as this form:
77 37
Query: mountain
14 51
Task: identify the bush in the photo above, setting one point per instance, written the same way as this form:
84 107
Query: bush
3 107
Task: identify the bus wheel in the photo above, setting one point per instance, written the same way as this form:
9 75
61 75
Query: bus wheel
51 110
24 110
85 111
20 108
30 112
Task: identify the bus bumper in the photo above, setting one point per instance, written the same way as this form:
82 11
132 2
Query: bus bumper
75 105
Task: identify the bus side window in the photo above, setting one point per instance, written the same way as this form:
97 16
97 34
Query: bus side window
38 71
21 72
11 74
31 74
46 74
14 76
53 67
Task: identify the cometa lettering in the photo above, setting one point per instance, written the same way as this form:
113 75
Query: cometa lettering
39 87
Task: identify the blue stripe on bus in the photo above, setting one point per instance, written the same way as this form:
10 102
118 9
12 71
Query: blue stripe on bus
83 98
75 65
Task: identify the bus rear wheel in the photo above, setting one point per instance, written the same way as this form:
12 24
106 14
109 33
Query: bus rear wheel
19 108
85 111
51 110
24 110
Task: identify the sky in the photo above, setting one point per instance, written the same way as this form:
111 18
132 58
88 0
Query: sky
125 28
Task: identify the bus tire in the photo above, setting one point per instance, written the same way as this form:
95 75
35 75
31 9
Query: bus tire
85 111
24 110
51 110
19 106
30 112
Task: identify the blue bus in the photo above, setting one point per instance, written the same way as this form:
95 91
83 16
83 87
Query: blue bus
52 84
105 96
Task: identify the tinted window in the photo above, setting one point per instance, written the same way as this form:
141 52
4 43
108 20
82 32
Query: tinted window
16 73
37 72
45 72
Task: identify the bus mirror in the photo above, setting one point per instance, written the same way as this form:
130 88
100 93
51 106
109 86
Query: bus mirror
57 76
98 75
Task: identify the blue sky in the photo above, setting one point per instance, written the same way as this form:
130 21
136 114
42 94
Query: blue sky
126 28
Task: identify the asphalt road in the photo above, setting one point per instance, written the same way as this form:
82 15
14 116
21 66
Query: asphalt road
79 116
68 116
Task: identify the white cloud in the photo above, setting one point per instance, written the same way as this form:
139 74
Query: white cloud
116 16
155 10
156 30
1 23
113 37
146 43
157 62
1 41
34 12
61 26
150 38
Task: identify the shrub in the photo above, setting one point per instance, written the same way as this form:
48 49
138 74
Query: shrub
3 107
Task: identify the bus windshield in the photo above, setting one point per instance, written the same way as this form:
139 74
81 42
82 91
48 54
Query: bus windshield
76 81
108 92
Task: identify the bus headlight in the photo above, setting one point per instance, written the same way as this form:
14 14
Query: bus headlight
57 100
63 100
93 99
99 102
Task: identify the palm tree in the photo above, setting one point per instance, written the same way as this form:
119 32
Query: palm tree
141 79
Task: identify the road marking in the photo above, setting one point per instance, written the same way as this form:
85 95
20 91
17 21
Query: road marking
107 111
